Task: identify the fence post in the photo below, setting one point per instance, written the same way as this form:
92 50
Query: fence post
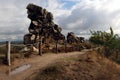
65 46
8 47
40 47
56 44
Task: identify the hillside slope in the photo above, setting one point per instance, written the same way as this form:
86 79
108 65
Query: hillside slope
89 66
37 62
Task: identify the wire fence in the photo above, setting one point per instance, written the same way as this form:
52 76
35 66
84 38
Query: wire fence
15 48
10 50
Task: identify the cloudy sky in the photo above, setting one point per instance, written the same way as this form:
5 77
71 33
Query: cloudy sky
78 16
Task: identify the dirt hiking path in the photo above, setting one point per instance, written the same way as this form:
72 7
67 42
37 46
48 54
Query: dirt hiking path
37 62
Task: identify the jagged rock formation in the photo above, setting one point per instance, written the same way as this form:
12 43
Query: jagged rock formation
43 31
41 26
72 38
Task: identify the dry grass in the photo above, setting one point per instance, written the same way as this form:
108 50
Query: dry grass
89 66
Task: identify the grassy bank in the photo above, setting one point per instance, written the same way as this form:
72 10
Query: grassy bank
89 66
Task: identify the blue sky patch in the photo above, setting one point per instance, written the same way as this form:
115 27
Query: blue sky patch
68 3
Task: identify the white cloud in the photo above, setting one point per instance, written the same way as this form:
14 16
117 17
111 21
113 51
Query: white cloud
92 14
81 17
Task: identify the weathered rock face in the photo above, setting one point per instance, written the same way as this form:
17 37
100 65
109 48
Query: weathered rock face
41 25
72 38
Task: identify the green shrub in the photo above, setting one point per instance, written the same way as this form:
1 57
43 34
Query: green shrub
110 41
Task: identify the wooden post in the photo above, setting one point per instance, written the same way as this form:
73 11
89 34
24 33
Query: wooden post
40 47
8 47
65 46
56 46
79 47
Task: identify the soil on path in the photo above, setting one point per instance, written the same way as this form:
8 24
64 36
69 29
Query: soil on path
37 62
